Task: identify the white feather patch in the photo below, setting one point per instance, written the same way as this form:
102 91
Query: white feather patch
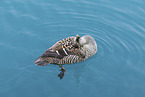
65 51
57 52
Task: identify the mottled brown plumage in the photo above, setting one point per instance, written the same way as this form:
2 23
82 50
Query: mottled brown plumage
67 51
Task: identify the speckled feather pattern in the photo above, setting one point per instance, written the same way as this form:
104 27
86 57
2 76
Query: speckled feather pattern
68 51
66 43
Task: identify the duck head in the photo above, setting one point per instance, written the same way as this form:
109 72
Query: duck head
89 45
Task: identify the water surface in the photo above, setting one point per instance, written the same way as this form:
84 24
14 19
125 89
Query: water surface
29 27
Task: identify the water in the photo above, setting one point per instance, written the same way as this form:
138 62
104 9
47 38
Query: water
29 27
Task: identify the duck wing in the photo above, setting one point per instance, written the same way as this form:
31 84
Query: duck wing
54 54
60 50
66 49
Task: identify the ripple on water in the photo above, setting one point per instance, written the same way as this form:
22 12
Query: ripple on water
98 26
118 45
32 26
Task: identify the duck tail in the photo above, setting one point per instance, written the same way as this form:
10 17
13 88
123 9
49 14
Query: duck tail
41 62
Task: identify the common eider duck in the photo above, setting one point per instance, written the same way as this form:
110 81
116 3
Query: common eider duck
68 50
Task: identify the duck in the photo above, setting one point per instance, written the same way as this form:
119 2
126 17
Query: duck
67 51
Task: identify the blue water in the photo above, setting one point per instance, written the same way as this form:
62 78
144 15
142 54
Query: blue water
29 27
